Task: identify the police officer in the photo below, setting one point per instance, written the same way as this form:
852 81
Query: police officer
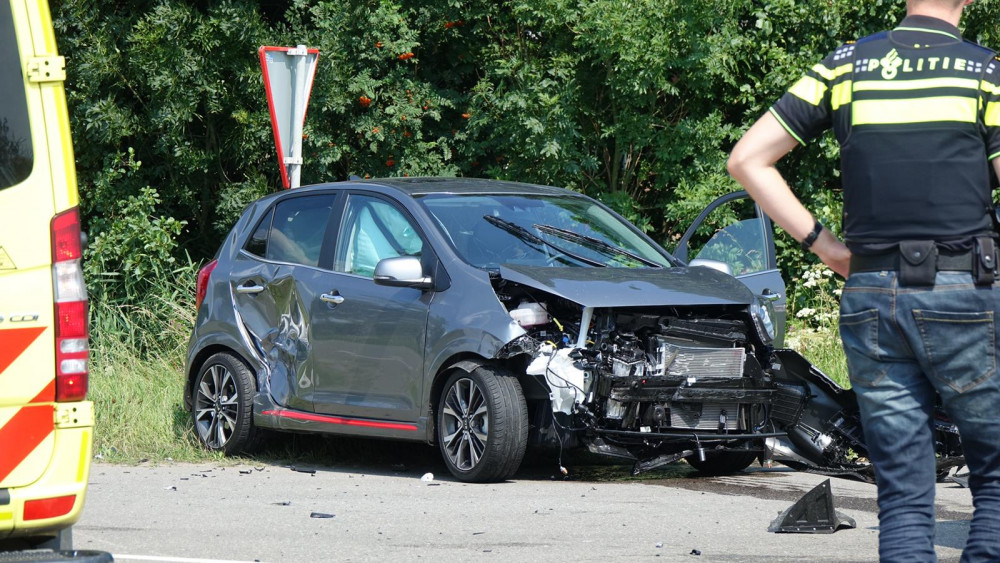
916 111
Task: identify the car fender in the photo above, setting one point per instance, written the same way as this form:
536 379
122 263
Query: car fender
205 344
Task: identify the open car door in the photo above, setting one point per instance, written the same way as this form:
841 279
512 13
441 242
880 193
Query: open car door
734 231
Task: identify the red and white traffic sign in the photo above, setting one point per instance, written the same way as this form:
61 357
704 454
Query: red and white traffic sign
288 79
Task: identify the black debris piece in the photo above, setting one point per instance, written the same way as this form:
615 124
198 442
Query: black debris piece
812 514
282 503
320 515
245 471
962 480
303 470
695 552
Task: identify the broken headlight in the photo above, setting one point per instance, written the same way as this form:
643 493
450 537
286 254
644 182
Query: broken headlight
762 312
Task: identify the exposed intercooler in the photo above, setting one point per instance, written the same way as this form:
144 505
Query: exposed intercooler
642 388
693 363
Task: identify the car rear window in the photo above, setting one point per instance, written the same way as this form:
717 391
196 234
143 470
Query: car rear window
16 156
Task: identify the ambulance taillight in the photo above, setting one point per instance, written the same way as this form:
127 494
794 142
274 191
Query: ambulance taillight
70 295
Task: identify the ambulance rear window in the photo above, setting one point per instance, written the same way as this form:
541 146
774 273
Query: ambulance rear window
15 132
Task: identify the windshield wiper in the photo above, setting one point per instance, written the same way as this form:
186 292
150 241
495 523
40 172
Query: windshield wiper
595 243
530 237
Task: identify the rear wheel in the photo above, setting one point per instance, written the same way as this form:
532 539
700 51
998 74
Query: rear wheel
222 408
723 463
482 424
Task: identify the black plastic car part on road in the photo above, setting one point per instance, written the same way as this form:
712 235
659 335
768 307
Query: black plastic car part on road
487 316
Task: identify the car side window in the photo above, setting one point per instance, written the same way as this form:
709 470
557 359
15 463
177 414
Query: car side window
293 231
373 229
734 234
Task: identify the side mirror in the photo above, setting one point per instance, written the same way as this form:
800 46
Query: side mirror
402 271
713 264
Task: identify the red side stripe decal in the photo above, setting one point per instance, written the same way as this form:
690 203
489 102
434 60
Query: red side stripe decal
13 341
339 420
22 434
48 394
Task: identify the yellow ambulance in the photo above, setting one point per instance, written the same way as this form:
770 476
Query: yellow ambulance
46 425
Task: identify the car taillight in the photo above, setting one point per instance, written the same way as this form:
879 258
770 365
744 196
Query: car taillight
70 296
203 274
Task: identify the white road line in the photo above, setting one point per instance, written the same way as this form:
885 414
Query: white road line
123 557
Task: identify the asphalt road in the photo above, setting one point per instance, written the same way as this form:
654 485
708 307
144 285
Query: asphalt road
197 513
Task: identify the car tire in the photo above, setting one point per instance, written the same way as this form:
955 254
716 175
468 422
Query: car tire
222 405
482 424
723 463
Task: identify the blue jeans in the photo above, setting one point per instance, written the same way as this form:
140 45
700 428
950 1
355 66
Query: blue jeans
905 347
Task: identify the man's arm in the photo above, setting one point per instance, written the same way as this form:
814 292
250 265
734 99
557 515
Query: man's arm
752 164
996 166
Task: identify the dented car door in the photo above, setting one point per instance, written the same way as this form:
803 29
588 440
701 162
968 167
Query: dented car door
271 301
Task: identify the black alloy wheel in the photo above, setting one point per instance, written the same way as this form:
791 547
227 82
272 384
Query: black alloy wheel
222 408
482 424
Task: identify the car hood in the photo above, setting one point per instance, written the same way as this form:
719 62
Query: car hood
624 287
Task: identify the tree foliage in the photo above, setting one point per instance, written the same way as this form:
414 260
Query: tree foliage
636 102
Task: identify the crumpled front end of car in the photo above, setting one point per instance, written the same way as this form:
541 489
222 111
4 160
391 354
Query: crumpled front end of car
687 375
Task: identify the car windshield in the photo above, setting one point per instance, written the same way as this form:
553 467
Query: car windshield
488 230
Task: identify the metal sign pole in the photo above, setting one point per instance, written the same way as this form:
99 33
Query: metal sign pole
298 114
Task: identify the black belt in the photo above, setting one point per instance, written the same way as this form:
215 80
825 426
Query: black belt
961 262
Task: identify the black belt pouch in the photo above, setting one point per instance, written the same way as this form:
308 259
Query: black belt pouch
918 262
984 261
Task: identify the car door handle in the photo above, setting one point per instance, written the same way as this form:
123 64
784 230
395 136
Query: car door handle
768 295
249 289
335 299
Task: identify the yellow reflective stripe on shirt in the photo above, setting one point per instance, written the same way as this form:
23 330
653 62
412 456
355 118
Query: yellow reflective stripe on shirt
785 125
809 89
922 84
990 88
841 95
830 74
925 30
920 110
992 118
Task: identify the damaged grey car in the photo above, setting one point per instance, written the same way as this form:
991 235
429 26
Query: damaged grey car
486 316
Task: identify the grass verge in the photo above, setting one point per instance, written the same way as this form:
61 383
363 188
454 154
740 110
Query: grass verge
136 382
821 347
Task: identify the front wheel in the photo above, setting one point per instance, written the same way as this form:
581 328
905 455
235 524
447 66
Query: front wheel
482 424
222 408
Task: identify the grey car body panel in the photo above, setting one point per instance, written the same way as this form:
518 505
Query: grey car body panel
466 319
369 349
621 287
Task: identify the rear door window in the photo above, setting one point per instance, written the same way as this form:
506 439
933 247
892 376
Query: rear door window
16 155
293 231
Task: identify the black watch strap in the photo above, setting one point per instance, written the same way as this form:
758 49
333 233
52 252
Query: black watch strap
812 236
